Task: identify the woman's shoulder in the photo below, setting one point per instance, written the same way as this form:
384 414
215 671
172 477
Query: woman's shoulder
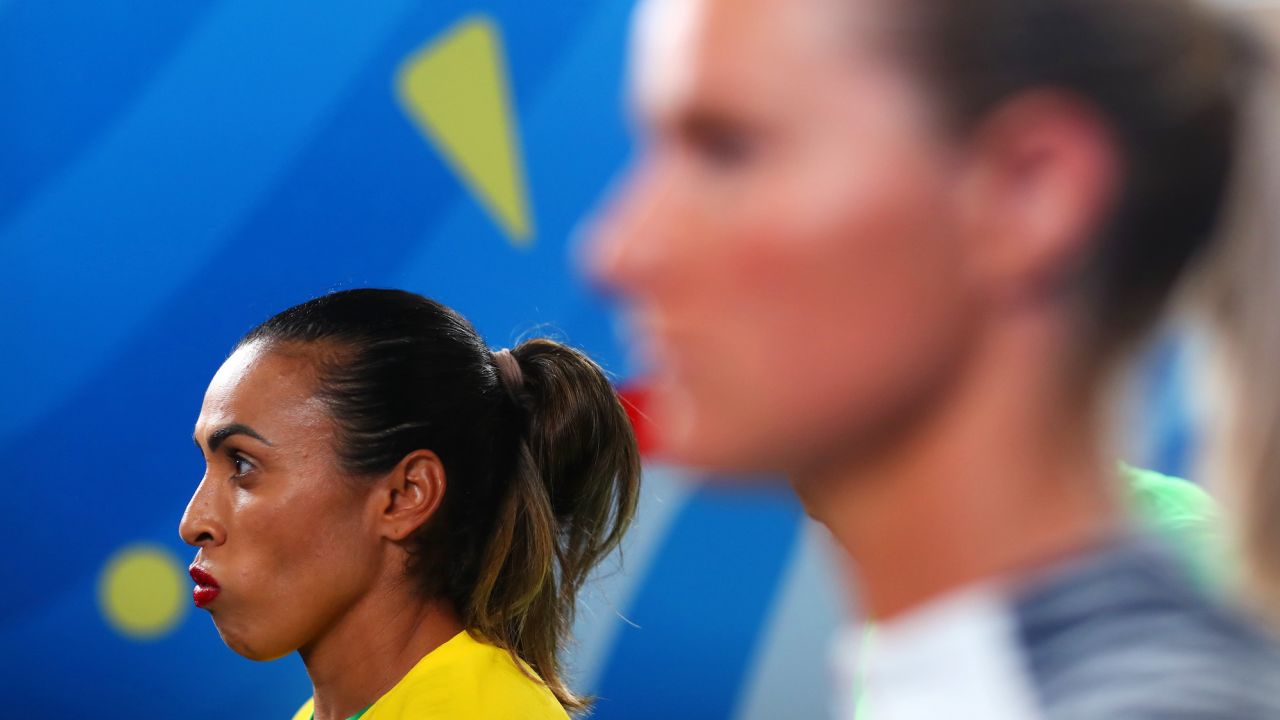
469 678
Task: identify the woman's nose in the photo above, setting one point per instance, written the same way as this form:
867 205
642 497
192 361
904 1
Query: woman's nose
627 248
199 526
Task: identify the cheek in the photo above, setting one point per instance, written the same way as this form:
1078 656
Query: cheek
300 565
834 296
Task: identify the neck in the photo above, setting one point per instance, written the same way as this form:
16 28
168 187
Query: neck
1004 476
371 647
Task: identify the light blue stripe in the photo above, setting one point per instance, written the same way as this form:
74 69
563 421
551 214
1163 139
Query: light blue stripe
791 675
87 261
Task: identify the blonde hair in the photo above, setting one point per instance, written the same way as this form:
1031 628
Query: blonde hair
1239 288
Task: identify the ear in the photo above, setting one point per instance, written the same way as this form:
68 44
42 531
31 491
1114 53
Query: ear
411 493
1040 180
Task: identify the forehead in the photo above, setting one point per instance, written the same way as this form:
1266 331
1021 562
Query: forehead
265 387
690 52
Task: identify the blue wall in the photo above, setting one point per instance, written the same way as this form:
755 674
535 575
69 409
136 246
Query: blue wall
173 172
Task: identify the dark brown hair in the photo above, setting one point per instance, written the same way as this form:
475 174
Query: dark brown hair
1168 77
542 468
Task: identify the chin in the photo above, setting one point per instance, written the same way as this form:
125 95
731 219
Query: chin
248 646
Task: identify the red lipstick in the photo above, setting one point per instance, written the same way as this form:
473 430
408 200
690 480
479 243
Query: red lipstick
207 588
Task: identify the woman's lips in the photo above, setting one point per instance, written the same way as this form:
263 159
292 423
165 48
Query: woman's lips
207 588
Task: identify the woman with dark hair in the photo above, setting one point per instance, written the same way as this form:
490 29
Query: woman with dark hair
896 250
409 511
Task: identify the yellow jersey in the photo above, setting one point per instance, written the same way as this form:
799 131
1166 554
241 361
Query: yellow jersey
463 678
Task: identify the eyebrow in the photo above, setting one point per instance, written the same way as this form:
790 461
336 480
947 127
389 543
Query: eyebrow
219 436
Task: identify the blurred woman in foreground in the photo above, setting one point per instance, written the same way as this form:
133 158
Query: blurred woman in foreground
896 249
410 512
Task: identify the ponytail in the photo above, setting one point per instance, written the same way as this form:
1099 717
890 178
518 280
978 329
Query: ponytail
572 494
1239 287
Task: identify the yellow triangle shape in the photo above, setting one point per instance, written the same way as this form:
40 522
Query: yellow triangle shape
456 92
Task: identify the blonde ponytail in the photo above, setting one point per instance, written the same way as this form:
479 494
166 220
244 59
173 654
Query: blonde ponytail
1239 285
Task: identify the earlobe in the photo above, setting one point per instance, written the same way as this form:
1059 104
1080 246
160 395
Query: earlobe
415 491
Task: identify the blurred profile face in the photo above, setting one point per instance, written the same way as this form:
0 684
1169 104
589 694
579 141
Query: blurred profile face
278 524
785 244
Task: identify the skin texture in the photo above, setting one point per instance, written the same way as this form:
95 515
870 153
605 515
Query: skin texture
826 281
308 558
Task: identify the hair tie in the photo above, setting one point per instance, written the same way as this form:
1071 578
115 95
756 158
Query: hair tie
509 370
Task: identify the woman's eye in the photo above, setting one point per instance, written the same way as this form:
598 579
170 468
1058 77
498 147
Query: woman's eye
725 150
241 465
721 144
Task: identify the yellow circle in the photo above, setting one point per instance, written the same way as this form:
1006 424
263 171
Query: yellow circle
141 591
